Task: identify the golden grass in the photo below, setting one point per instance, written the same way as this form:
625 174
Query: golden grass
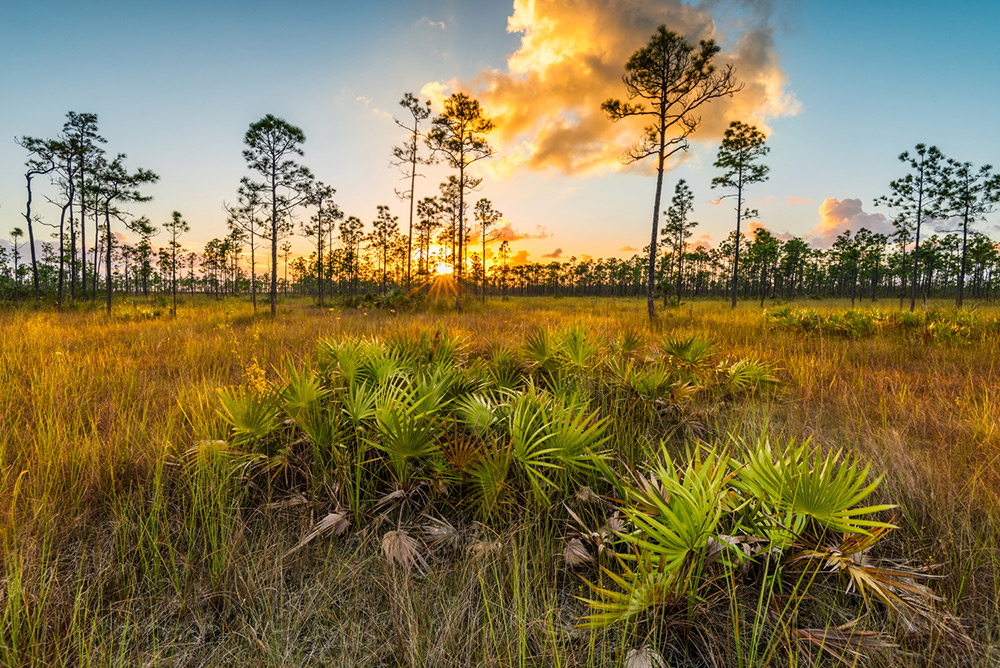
89 408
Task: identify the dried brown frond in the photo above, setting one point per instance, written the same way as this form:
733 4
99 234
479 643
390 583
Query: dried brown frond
335 523
644 657
576 555
442 532
402 549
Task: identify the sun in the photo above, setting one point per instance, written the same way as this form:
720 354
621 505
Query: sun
443 269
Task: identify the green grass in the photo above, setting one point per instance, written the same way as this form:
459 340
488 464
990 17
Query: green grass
117 554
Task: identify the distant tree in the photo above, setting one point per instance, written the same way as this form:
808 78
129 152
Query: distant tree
245 215
15 235
175 228
327 212
407 158
968 194
739 159
914 194
286 249
677 229
674 79
385 229
83 141
352 236
145 229
503 255
450 202
42 159
457 135
487 217
429 213
113 186
272 146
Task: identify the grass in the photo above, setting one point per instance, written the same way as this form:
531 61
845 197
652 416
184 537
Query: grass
115 555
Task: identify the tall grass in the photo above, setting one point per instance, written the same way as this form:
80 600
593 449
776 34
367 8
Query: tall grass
114 554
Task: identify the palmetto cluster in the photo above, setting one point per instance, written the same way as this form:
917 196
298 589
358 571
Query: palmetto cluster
424 433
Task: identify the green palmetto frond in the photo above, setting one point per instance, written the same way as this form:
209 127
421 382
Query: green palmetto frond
811 493
749 376
407 428
358 403
576 436
503 369
674 512
650 383
576 347
540 351
628 343
477 412
691 353
303 392
529 426
490 475
251 415
637 591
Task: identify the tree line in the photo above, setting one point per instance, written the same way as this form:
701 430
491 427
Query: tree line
666 82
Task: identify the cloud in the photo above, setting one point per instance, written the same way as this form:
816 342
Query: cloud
366 103
506 232
800 200
520 257
703 241
424 21
557 253
839 215
755 226
546 102
627 249
586 258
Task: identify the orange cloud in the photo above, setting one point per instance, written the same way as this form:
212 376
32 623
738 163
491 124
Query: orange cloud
800 200
557 253
571 58
506 232
840 215
520 257
627 249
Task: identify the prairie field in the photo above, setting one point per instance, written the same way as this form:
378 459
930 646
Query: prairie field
532 482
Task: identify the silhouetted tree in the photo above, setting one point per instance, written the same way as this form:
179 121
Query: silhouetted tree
487 217
114 186
82 139
673 78
407 158
175 228
42 159
327 211
15 235
245 215
385 229
272 146
457 135
739 155
968 194
913 194
677 229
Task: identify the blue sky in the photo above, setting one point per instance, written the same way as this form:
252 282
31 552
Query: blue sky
176 84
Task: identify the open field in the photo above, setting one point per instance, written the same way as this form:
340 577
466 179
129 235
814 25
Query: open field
117 552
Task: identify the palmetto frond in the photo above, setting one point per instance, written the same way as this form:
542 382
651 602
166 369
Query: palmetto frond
812 494
691 353
251 415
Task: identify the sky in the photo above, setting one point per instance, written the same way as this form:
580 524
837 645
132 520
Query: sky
841 88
